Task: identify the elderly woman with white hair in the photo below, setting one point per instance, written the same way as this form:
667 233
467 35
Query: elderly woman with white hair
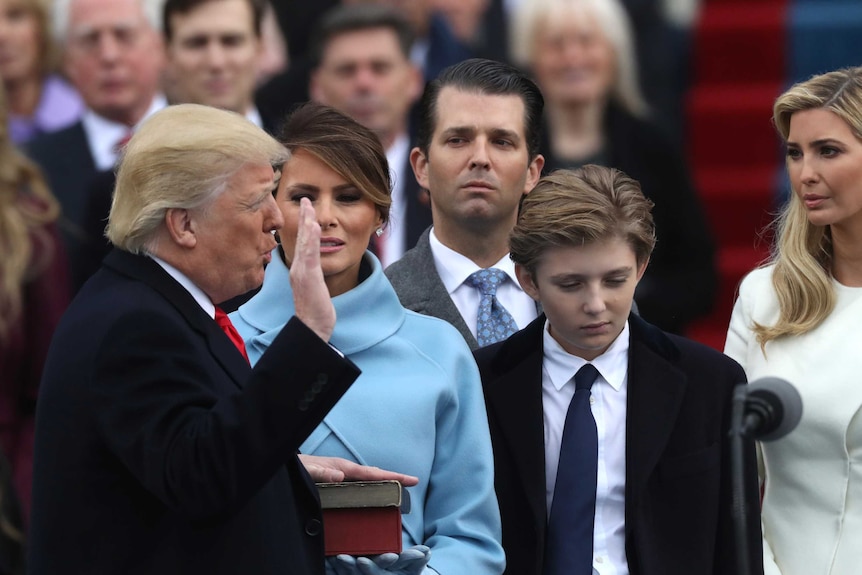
581 55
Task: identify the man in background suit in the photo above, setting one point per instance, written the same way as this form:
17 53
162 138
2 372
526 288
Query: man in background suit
362 68
113 55
158 450
213 51
435 48
477 156
659 408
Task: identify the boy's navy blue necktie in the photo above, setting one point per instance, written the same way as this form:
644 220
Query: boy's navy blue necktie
569 548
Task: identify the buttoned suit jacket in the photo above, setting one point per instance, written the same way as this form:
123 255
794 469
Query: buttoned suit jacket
678 482
159 451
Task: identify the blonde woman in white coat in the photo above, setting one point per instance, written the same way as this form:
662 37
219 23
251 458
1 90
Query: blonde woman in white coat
799 318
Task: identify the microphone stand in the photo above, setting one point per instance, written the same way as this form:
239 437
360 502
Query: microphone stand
737 473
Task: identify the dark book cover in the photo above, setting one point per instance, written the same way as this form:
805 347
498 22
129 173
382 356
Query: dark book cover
362 517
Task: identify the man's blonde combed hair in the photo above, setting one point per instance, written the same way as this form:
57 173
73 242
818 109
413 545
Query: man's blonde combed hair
181 157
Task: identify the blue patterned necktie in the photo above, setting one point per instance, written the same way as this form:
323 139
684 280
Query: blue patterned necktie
494 322
569 542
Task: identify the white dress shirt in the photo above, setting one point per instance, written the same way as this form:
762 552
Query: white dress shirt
104 134
608 404
394 238
182 279
253 116
454 269
198 294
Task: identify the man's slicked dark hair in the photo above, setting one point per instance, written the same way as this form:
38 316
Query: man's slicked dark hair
483 76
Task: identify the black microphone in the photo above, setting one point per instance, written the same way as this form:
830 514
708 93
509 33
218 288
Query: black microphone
773 409
766 409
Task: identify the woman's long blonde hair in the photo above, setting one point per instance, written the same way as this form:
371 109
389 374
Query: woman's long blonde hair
26 206
802 255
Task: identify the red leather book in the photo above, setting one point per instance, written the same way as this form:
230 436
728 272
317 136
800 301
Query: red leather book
362 518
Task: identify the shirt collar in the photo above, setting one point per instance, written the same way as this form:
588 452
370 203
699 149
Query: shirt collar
182 279
396 157
103 134
398 152
454 268
253 116
561 365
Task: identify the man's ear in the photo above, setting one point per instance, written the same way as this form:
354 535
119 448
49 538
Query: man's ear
534 172
181 227
528 284
641 269
420 167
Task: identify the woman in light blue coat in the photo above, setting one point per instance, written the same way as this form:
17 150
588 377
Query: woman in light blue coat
417 407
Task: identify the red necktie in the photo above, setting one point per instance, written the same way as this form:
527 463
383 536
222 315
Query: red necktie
121 143
227 327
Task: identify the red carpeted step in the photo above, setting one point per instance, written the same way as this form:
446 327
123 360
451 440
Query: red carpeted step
738 201
741 43
734 264
739 67
731 125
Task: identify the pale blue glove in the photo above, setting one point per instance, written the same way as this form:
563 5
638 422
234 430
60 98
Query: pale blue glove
409 562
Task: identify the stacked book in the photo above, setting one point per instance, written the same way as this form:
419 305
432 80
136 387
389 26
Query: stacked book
363 518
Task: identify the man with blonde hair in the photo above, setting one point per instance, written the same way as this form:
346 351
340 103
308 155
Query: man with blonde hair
158 450
213 48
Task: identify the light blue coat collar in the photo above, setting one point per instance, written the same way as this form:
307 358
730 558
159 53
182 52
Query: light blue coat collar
365 315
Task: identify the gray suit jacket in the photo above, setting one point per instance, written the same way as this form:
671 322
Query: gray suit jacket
420 288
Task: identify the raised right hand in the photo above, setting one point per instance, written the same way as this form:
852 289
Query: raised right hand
310 294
